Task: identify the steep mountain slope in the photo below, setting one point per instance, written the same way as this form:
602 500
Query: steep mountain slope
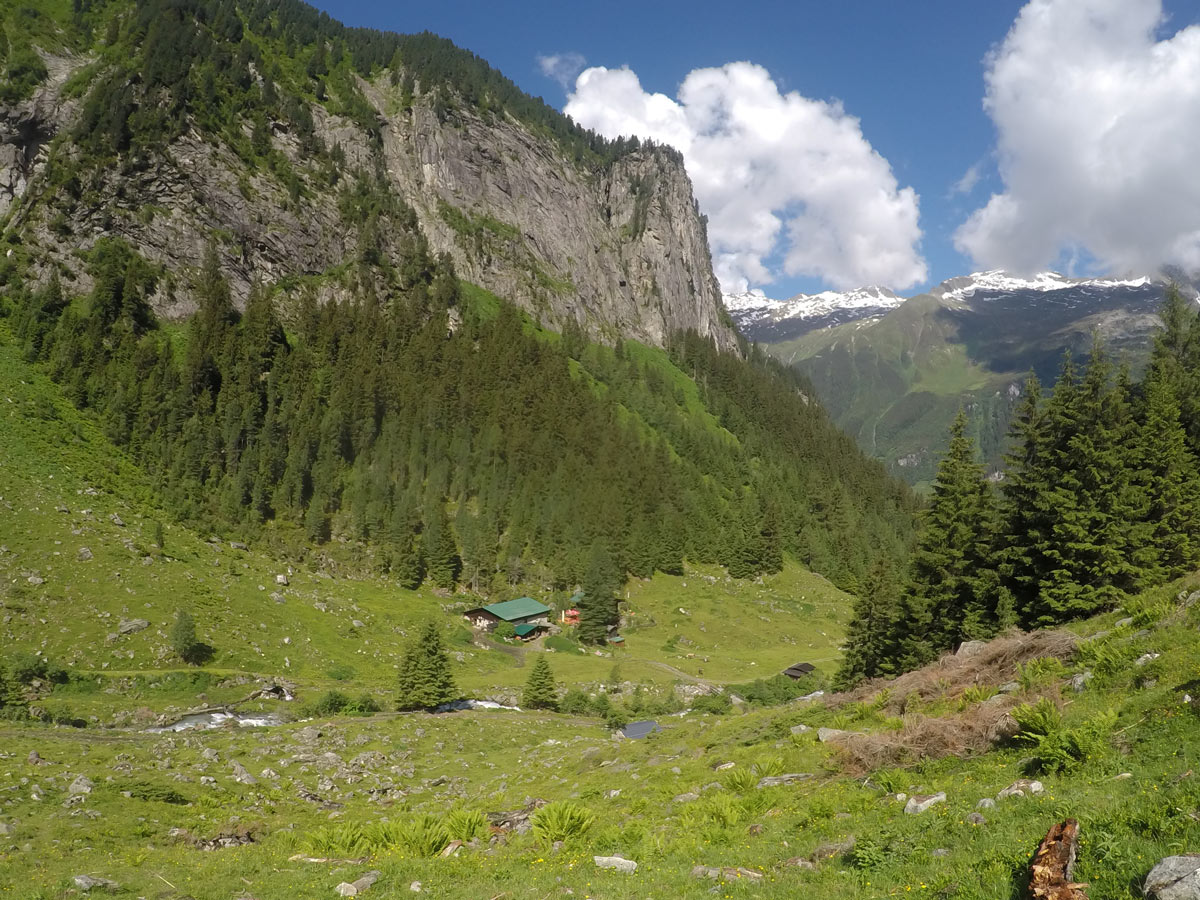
267 127
290 182
896 381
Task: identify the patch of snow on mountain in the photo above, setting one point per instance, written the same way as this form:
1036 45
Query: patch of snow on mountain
962 287
753 305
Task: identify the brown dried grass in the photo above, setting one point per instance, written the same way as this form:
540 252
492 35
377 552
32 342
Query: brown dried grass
993 664
975 730
972 730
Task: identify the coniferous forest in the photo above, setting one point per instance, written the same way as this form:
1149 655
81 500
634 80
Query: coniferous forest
455 442
1100 499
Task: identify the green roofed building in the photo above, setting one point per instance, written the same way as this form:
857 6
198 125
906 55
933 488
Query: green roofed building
528 630
522 611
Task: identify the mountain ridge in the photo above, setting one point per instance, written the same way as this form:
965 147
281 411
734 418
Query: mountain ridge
575 229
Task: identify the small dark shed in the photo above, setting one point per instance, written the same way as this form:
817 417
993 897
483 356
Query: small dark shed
637 730
799 670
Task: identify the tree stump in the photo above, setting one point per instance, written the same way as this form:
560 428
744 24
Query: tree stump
1050 872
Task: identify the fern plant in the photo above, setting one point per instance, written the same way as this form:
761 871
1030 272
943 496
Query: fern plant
561 821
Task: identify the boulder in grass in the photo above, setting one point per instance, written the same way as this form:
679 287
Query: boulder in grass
619 863
88 883
1022 788
1174 878
919 803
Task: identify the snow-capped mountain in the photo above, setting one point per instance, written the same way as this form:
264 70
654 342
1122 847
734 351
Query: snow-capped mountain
998 281
759 317
763 319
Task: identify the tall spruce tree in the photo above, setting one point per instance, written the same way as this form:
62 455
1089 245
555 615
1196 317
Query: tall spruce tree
870 650
540 690
953 550
598 605
425 678
1170 480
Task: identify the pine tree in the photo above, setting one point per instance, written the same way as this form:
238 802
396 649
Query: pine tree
425 679
540 690
1171 480
12 703
184 642
869 648
441 553
598 605
952 551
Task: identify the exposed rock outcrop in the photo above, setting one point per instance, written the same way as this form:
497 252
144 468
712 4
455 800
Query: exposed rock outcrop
619 248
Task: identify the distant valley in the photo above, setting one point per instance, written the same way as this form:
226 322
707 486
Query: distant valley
893 371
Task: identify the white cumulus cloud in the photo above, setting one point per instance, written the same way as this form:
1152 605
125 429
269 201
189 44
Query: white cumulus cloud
780 176
1097 122
562 67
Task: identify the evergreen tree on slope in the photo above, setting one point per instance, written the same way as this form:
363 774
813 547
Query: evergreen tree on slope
953 550
540 690
425 679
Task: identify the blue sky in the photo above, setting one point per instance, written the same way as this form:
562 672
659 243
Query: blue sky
913 75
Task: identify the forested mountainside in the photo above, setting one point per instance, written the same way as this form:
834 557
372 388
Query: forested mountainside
1100 499
381 400
279 132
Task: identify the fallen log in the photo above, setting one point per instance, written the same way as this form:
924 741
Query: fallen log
1053 864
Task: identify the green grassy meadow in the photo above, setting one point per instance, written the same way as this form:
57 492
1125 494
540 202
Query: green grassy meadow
386 792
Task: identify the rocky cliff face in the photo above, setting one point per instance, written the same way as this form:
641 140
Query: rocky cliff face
619 249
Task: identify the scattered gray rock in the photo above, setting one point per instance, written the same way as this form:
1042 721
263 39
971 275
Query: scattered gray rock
800 729
237 545
358 886
831 849
986 803
81 785
968 649
825 735
1009 687
1022 788
918 803
415 887
799 862
778 780
723 766
210 754
84 554
36 580
34 758
132 626
281 579
240 774
1121 623
116 520
1079 682
620 863
686 797
976 819
1145 658
89 882
6 829
1174 878
726 873
939 853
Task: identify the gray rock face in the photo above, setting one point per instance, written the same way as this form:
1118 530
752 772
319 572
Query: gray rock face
619 249
132 626
920 803
778 780
88 883
620 863
1021 788
1174 878
81 785
825 735
970 648
799 729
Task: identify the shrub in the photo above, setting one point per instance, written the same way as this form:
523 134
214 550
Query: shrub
713 704
329 704
741 780
575 702
1036 721
184 642
504 631
561 821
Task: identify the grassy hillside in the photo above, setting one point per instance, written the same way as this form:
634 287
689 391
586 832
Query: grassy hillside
80 556
388 792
